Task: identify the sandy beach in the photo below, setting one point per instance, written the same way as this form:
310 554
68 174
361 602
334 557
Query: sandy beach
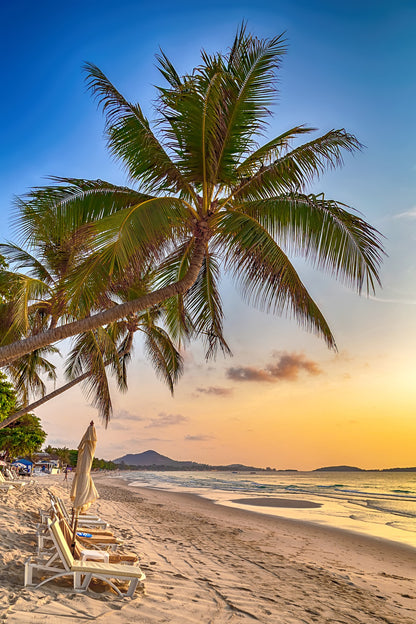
209 564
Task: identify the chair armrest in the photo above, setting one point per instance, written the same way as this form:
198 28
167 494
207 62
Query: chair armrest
94 555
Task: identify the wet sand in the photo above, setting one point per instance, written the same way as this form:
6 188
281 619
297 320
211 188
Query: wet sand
277 502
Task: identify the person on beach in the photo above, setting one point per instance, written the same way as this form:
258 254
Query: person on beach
66 473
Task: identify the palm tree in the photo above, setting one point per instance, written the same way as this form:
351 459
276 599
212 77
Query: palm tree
207 196
26 373
96 351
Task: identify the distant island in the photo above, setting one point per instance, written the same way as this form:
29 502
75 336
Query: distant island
151 460
339 469
355 469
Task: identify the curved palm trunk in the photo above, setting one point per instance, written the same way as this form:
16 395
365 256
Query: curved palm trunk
25 410
15 350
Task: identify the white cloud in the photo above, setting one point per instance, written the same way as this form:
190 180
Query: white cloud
408 214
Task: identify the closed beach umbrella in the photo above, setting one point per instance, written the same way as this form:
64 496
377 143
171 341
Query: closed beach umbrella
83 492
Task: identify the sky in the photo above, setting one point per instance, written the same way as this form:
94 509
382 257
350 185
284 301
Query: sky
283 400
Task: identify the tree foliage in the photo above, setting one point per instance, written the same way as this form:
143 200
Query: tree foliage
23 437
208 196
7 397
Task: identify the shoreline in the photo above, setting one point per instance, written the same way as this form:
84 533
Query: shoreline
210 564
302 525
327 528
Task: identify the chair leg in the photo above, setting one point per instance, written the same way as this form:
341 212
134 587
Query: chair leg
81 581
132 588
28 573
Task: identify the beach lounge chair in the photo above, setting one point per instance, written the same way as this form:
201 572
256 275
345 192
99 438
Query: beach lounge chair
84 520
12 482
62 563
83 550
96 537
5 488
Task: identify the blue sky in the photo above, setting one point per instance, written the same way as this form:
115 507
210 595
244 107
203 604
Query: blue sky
349 64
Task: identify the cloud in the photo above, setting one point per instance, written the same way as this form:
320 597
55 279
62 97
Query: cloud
408 214
215 390
117 426
286 368
125 415
402 301
166 420
199 438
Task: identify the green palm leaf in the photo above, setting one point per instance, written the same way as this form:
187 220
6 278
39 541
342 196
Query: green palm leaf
166 360
24 291
292 171
93 352
248 90
53 212
26 373
265 275
172 270
140 234
325 233
203 304
269 152
131 138
20 259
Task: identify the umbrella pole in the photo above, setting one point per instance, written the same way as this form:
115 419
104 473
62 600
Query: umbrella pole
74 530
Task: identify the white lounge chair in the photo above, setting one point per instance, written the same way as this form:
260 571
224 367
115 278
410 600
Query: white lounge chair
62 563
12 482
98 539
5 488
84 520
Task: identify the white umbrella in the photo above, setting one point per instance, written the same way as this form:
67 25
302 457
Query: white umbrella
83 492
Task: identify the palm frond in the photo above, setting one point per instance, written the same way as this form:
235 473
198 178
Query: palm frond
203 303
298 167
51 212
131 139
23 291
21 259
26 373
172 270
323 231
270 151
166 360
249 87
168 71
138 234
92 353
265 275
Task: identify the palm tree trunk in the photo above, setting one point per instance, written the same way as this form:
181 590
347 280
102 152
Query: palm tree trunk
25 410
15 350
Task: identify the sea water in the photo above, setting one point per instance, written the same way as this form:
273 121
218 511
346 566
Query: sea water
380 504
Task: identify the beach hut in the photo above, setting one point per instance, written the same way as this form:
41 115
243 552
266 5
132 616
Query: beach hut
25 466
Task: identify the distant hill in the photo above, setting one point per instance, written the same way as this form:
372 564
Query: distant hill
339 469
148 458
152 459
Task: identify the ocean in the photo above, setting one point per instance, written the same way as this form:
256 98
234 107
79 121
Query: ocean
380 504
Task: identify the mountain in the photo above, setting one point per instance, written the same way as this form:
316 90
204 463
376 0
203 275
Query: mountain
339 469
148 458
152 459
